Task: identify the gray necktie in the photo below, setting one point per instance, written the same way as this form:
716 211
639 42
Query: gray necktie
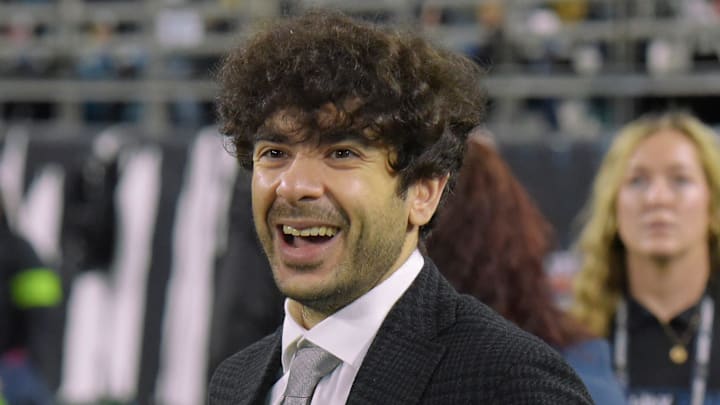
310 364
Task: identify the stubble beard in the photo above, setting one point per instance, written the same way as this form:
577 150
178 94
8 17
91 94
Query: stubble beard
373 260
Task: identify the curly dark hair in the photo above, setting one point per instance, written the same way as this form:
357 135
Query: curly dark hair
416 99
490 242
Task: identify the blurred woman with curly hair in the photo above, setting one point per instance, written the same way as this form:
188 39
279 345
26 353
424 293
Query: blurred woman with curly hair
491 241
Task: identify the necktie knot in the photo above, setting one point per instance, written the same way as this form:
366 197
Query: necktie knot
310 364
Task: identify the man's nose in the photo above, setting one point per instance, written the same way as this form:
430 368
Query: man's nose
301 180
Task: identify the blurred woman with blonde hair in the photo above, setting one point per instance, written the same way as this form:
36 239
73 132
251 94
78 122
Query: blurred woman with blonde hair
650 248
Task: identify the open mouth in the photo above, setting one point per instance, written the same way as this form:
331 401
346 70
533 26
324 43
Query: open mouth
314 235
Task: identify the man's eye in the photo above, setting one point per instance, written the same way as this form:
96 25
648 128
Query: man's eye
343 154
273 154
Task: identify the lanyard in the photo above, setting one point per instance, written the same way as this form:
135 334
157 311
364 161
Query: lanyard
702 348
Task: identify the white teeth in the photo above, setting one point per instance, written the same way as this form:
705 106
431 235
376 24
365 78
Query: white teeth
312 231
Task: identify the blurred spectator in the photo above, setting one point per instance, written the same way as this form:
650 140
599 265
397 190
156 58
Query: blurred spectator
30 58
102 61
27 289
489 50
667 57
699 11
432 14
26 60
571 11
543 52
491 241
186 110
587 59
96 62
650 259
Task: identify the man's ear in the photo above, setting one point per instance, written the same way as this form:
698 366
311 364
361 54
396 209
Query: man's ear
423 199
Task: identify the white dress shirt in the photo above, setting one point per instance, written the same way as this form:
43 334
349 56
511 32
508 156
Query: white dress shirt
347 334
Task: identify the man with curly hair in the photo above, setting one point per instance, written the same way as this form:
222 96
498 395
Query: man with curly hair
353 133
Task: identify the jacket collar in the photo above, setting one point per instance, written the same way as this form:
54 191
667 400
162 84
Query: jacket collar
408 332
255 387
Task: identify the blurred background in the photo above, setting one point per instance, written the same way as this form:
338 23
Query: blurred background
111 168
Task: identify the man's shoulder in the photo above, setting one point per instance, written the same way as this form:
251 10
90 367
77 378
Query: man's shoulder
477 322
503 362
483 340
463 322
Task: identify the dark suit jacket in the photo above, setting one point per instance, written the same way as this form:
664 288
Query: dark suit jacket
434 347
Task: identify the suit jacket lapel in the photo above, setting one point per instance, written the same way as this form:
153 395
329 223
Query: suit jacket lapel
254 388
403 356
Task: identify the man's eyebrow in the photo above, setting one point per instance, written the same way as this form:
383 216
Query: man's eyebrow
325 138
345 136
271 136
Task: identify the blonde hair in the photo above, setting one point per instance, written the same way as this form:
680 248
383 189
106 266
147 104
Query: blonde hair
600 282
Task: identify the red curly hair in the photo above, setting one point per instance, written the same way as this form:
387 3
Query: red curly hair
490 242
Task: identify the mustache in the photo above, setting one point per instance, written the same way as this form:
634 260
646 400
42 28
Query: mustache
308 210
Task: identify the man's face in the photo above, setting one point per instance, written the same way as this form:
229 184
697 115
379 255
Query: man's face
328 215
664 202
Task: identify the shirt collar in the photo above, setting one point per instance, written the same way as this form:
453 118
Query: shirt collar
348 333
639 316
